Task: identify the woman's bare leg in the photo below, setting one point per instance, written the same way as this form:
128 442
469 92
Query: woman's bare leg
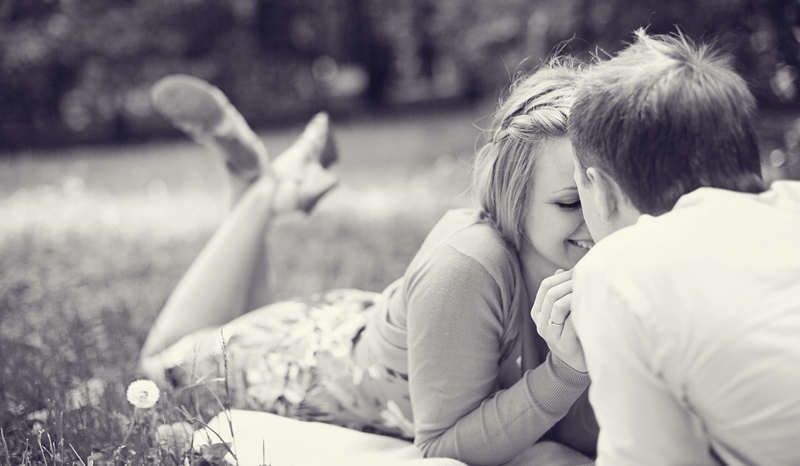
225 279
313 151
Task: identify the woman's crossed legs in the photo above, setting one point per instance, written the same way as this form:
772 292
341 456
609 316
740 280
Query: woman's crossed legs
229 276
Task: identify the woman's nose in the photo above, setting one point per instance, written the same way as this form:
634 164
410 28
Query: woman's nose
583 229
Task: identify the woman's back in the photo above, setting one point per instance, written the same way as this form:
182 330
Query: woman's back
487 299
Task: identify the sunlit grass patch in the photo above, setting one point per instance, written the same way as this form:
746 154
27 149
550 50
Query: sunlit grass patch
77 305
91 246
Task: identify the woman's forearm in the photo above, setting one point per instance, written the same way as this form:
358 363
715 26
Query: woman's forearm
510 421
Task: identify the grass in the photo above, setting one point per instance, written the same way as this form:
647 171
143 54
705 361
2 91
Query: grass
92 240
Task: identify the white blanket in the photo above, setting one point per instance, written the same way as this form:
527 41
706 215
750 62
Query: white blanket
267 439
288 442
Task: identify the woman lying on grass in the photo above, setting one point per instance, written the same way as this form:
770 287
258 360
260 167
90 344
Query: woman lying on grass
448 354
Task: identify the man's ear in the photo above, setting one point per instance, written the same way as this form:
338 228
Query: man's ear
608 195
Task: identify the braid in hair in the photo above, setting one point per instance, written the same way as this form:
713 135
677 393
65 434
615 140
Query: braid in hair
536 109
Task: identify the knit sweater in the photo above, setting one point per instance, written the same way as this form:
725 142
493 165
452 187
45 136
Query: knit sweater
455 327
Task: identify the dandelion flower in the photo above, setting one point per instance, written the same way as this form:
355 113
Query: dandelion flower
143 393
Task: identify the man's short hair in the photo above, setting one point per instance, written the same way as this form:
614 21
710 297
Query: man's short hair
665 117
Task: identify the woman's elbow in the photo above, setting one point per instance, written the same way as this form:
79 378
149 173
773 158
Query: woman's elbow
446 446
431 446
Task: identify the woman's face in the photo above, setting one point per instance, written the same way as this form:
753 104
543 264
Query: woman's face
556 233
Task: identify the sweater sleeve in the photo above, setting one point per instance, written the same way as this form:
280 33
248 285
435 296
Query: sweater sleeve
455 326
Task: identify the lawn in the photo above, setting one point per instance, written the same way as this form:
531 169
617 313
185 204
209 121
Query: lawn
92 240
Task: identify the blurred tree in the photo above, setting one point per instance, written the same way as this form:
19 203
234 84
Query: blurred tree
490 40
372 47
70 68
762 35
79 70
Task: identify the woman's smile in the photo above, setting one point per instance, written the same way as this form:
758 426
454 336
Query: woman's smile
586 244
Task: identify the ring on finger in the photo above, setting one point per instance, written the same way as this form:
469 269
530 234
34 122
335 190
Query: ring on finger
555 324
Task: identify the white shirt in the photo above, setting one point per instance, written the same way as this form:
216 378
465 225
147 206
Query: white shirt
690 323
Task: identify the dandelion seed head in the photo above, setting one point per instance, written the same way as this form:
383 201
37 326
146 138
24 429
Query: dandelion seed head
143 393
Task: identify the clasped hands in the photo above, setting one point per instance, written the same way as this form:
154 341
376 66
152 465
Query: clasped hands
551 314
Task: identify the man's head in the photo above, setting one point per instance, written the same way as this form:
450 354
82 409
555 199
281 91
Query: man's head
659 120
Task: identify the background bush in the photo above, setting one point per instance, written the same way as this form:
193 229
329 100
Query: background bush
78 70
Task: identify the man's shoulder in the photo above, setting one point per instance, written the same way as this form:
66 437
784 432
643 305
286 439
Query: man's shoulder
630 243
707 228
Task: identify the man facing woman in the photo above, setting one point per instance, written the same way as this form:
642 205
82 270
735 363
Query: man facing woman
448 354
688 308
434 356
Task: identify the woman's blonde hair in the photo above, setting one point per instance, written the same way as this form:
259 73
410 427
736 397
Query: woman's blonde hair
535 110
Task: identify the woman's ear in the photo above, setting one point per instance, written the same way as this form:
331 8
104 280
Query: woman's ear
607 193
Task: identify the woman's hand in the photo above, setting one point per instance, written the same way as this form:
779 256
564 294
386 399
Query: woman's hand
550 313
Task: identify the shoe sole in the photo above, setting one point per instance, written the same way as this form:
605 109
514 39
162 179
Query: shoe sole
188 102
198 108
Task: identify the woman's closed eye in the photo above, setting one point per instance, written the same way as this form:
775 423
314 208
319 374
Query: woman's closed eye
569 206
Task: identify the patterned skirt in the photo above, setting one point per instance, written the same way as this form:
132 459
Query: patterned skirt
295 359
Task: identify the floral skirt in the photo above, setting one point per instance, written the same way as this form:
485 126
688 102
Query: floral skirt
292 358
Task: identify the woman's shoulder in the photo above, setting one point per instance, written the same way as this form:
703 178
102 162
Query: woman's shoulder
468 235
465 259
472 226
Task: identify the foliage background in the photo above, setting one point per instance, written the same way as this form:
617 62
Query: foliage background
77 71
98 220
93 239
